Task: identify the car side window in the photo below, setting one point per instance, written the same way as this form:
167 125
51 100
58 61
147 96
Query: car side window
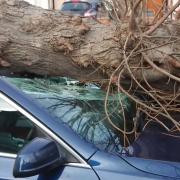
16 130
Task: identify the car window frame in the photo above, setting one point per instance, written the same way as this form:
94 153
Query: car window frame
35 121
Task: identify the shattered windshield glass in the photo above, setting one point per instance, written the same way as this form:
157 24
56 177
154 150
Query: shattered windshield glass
81 106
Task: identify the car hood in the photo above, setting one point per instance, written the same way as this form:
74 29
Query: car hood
110 165
163 168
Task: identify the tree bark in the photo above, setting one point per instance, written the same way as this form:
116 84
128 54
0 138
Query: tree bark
43 42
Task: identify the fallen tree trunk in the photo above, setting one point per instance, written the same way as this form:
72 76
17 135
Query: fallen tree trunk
43 42
48 43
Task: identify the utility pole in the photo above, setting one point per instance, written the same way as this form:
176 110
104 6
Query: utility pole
51 4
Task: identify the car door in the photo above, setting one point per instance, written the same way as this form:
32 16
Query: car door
18 128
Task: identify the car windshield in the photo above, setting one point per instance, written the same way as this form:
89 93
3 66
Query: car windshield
76 7
82 108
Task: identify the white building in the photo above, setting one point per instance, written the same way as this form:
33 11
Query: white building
41 3
46 4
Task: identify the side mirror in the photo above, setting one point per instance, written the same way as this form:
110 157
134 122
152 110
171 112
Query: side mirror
40 155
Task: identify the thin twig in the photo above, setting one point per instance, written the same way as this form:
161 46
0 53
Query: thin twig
153 28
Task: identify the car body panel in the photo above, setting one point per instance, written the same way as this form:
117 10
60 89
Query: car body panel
108 165
70 172
164 168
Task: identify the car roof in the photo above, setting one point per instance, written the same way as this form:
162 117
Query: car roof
81 146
